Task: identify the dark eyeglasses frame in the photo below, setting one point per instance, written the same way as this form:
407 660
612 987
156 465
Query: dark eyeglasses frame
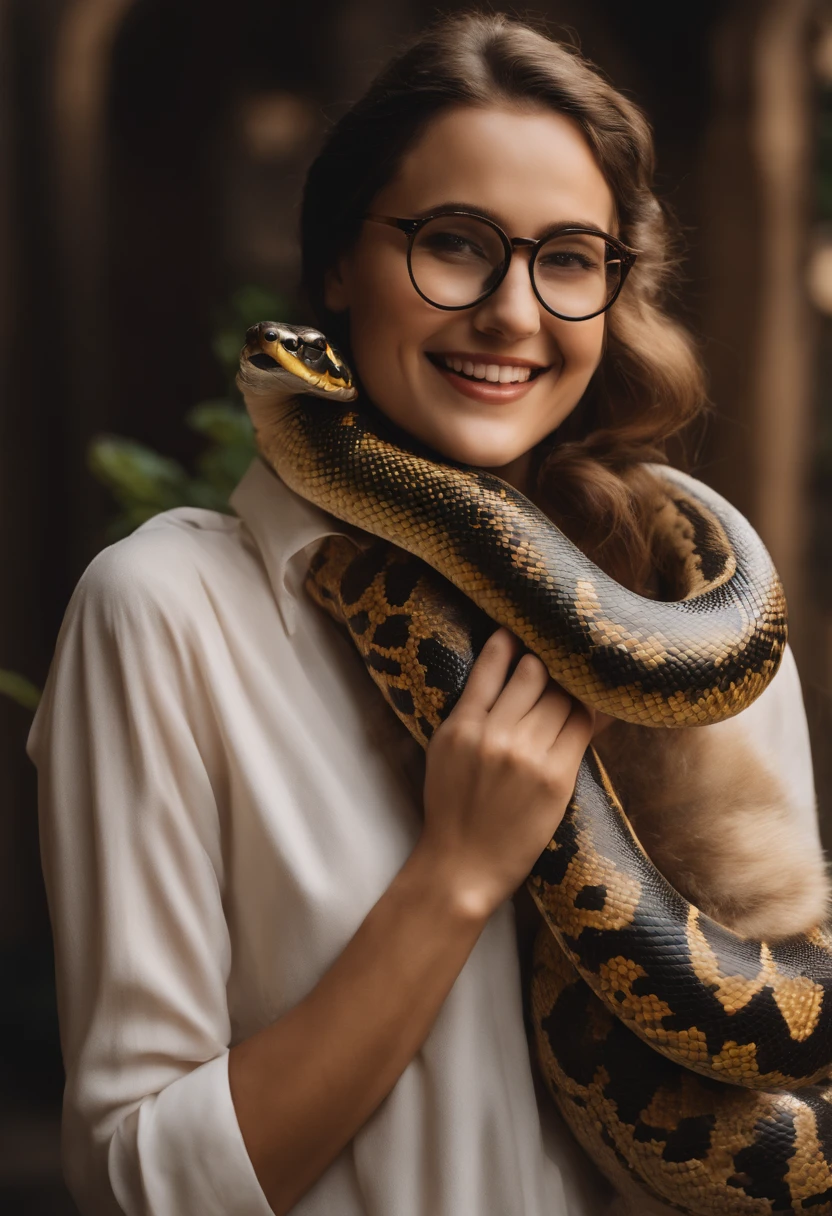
411 229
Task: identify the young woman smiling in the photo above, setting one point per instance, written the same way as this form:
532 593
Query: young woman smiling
287 955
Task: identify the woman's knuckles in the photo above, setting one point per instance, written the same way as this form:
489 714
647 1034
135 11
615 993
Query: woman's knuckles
458 735
497 748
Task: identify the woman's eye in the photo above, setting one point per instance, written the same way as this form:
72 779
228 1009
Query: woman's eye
452 244
569 261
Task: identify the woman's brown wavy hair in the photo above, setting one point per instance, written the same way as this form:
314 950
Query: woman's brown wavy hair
589 474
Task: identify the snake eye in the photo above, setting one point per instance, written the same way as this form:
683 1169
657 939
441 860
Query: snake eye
290 343
270 335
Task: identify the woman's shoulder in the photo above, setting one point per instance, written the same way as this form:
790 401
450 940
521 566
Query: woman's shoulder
171 565
778 711
151 613
775 724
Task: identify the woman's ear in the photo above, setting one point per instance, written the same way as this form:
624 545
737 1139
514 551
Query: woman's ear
336 287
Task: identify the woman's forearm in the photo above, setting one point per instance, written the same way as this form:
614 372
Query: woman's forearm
500 772
304 1086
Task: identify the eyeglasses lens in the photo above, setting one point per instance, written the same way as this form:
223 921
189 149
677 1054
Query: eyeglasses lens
573 275
456 260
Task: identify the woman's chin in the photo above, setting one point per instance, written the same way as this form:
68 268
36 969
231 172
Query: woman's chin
477 442
476 456
483 451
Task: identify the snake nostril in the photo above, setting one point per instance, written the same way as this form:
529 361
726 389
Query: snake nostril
270 335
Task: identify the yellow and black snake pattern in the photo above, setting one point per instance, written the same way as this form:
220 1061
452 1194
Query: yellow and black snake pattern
686 1057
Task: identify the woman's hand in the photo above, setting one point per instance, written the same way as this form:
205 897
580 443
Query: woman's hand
500 772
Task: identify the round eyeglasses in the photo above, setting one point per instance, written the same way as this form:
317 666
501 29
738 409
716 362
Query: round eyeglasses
457 259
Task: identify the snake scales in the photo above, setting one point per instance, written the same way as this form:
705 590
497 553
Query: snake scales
684 1057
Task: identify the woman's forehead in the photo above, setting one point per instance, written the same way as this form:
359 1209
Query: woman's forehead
527 167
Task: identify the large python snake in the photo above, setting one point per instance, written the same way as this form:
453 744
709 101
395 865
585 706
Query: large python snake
684 1057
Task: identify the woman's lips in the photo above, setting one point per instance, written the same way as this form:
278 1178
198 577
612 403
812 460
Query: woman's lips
486 390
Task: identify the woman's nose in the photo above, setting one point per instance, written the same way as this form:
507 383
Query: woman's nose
513 310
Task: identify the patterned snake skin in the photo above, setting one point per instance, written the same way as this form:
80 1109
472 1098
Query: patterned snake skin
634 991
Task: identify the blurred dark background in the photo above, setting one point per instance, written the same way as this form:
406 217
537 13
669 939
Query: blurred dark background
151 157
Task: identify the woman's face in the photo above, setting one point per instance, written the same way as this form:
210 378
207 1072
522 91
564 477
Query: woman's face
527 170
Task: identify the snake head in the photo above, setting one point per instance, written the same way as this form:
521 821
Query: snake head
293 359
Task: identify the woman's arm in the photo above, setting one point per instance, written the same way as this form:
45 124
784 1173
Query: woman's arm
134 871
305 1085
500 774
134 867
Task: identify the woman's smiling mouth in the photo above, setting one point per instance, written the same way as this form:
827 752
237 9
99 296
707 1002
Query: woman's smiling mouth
486 378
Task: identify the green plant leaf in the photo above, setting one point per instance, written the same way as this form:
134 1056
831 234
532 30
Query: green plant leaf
144 483
232 448
21 690
211 498
219 471
135 473
222 422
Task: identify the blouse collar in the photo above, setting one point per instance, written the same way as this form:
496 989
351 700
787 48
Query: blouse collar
282 525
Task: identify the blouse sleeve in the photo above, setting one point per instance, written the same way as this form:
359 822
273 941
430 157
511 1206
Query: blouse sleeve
130 836
775 724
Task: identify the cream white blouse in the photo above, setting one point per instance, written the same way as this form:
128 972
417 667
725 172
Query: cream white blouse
223 797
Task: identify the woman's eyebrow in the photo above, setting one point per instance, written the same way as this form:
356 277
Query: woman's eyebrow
442 208
496 218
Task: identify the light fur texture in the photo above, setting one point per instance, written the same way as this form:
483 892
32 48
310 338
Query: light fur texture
720 826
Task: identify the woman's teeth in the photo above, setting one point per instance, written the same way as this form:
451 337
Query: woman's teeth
497 373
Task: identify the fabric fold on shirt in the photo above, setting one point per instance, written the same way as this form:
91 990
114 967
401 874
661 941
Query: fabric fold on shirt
181 1151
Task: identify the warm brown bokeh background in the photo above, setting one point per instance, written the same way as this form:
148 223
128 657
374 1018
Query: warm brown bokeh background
151 155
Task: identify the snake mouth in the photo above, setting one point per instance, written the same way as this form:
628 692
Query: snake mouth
263 361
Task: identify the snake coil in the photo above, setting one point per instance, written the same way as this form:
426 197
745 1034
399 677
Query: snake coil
686 1059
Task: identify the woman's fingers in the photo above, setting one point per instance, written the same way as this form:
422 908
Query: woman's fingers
491 690
526 700
523 691
543 723
488 674
575 735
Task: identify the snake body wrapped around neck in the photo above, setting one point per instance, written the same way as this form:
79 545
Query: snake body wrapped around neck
621 954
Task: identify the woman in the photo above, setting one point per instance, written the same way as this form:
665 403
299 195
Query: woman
289 979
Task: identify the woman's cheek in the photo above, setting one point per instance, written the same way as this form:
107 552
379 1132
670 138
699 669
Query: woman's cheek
388 326
375 336
385 295
590 341
581 344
